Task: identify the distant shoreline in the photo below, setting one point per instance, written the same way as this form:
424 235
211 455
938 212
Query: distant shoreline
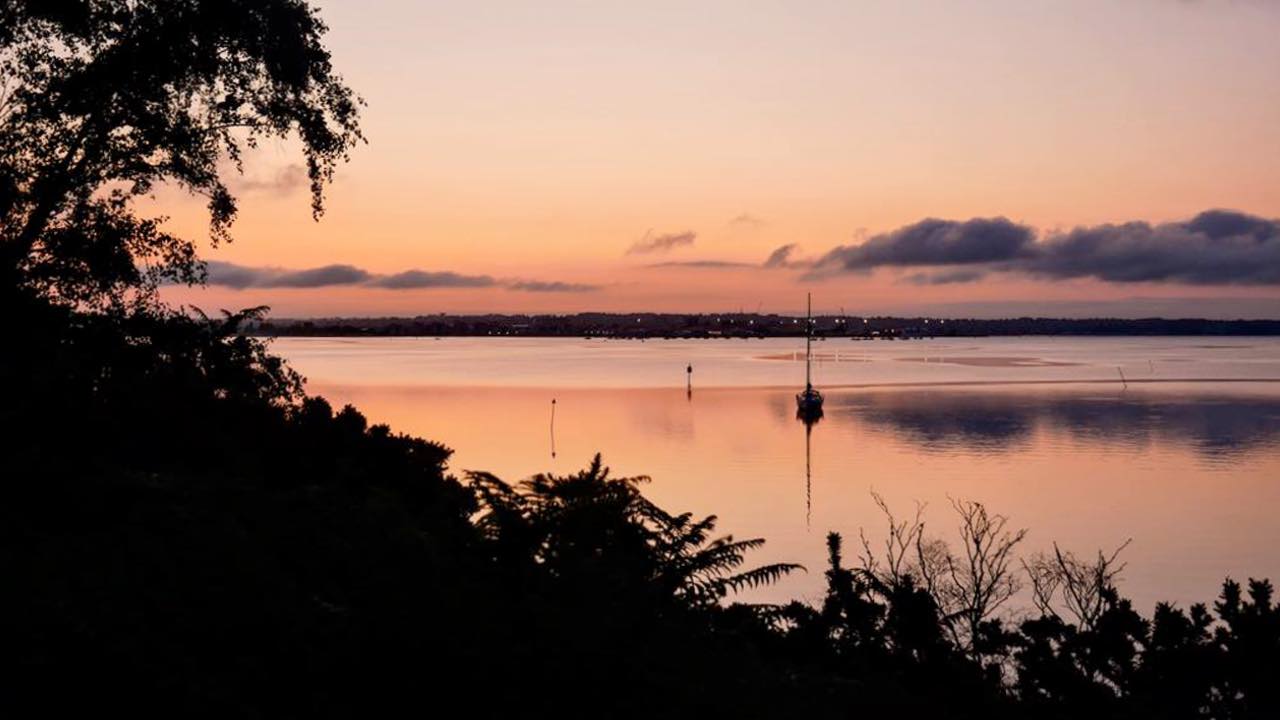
750 325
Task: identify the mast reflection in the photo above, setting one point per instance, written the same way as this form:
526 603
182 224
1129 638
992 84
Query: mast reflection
810 417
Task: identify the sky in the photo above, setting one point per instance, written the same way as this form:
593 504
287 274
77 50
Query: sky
1054 157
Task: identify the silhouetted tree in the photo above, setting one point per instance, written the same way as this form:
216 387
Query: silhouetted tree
1249 638
968 589
102 101
1179 675
598 531
1062 584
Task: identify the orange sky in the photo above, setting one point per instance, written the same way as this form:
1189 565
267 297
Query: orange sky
524 141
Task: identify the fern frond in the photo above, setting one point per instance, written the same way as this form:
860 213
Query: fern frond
764 575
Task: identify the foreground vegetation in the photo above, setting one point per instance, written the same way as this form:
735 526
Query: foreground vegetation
188 534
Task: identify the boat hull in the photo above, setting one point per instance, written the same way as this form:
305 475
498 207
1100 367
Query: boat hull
809 403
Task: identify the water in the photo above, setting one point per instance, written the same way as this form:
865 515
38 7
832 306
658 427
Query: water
1173 442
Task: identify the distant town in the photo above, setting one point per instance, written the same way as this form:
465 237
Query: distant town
745 325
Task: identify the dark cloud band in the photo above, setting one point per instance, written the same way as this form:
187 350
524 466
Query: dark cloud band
415 279
935 242
554 286
1217 247
946 277
701 264
241 277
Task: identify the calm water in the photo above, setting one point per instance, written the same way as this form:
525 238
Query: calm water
1185 459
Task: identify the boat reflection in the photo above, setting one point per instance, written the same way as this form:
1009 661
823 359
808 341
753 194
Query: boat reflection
810 417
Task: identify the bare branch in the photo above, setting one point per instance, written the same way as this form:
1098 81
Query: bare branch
968 589
1062 584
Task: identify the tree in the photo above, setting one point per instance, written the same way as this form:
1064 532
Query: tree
968 590
590 530
102 101
1064 585
1250 640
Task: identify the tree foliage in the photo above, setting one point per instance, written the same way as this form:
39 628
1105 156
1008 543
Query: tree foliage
594 531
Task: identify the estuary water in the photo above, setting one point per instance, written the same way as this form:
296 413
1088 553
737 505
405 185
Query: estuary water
1087 442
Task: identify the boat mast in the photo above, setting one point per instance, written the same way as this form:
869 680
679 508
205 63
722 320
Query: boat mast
808 340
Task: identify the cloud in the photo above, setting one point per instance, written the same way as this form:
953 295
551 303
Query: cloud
666 242
1229 223
241 277
415 279
945 278
555 286
1217 307
747 220
701 264
934 242
1216 247
319 277
285 180
233 276
781 257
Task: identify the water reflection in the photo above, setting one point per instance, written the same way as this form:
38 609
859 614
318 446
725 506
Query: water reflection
1215 426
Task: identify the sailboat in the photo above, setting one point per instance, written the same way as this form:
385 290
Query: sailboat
809 402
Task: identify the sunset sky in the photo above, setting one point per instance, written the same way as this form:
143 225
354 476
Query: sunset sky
572 156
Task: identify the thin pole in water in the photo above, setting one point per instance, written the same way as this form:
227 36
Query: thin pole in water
1121 371
553 428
